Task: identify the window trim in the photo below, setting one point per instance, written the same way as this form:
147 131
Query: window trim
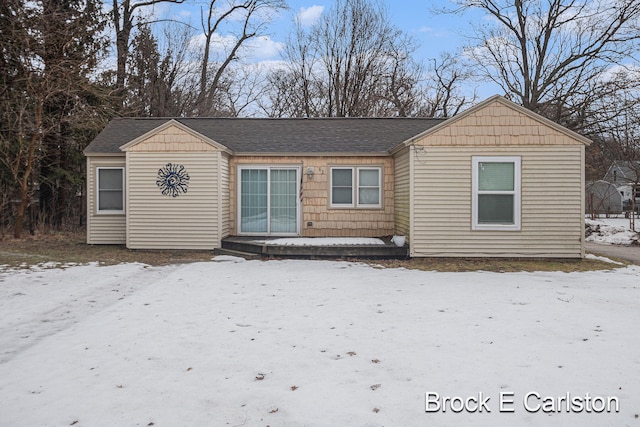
517 192
109 211
355 187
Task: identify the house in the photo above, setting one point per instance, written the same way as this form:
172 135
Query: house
625 175
496 180
627 195
602 197
623 172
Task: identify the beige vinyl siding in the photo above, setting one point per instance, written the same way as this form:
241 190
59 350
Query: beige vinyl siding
224 196
325 220
105 229
551 201
171 139
497 124
157 221
402 194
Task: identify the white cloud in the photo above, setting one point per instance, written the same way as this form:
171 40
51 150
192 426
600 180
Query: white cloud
631 71
309 15
219 43
432 32
264 47
258 49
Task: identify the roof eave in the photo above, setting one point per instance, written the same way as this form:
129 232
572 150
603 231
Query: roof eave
311 154
103 153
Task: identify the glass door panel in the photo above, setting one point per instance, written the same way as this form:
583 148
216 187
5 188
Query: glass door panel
284 201
253 201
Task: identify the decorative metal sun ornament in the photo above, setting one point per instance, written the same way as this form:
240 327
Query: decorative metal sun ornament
172 180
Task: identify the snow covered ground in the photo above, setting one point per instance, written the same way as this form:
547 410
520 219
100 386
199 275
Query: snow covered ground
312 343
615 231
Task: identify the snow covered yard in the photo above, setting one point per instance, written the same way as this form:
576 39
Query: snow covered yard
615 231
315 343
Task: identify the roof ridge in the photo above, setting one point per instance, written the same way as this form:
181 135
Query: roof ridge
277 118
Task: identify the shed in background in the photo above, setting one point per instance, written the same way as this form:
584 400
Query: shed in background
602 197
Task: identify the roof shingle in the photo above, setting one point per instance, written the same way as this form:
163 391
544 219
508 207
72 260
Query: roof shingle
300 135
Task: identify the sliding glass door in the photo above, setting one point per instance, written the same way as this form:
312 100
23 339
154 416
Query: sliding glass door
268 200
253 200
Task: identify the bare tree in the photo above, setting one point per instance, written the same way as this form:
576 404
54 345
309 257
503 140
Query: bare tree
252 16
543 52
615 117
20 144
439 92
161 78
49 50
296 88
354 62
124 13
248 88
344 65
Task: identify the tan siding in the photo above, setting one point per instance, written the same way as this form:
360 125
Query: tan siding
582 198
188 221
496 124
551 224
326 221
225 196
402 193
172 139
103 229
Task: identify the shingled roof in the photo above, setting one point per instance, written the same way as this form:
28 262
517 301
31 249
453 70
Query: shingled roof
249 135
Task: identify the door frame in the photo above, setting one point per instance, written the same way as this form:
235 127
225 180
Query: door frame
268 167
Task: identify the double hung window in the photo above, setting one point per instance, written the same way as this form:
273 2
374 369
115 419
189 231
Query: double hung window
496 193
110 194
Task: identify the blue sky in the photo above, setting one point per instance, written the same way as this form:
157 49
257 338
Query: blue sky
434 33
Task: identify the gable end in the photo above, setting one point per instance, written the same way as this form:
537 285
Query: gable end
498 122
173 136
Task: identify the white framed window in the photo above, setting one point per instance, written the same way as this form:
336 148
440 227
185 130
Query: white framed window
110 190
356 187
496 193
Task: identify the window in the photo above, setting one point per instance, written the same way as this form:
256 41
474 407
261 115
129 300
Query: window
342 187
110 194
358 187
496 193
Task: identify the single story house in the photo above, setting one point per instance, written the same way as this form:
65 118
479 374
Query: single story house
494 181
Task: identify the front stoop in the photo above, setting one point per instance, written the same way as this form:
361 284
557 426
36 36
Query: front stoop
232 252
249 245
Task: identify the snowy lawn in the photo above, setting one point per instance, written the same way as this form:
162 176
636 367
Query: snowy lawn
315 343
616 231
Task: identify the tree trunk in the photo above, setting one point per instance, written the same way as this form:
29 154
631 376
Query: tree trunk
26 177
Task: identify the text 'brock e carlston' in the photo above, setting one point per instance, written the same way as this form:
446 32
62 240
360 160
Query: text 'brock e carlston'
531 402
